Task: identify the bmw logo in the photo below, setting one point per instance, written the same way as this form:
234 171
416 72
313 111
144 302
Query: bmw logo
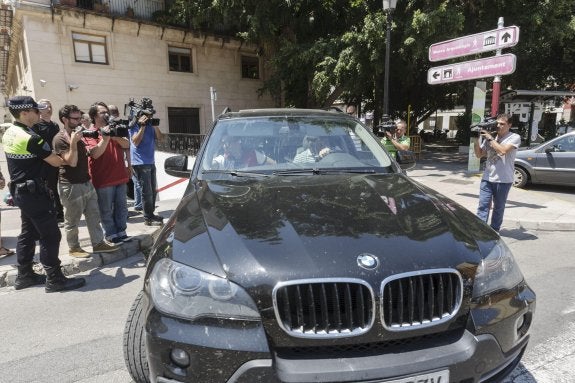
367 261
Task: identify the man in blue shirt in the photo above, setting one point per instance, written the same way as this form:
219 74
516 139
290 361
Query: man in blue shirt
143 136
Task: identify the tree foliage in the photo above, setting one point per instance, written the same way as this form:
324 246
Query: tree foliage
317 51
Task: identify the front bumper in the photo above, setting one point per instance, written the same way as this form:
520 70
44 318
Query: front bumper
487 350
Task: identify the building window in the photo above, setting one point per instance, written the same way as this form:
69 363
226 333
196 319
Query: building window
184 120
180 59
250 67
90 48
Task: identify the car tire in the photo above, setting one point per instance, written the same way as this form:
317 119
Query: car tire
135 355
520 177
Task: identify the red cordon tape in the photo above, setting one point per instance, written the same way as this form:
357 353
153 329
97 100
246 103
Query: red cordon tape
178 181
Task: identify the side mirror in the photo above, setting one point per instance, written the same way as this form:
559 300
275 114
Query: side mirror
552 149
177 166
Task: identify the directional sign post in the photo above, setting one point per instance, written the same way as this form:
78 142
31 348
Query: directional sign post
469 70
473 44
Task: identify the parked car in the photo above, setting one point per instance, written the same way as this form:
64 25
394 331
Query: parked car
552 163
302 252
562 129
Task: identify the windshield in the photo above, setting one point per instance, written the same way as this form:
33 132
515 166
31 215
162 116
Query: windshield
282 145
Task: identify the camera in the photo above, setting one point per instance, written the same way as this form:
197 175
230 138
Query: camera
144 107
118 128
89 133
488 125
387 125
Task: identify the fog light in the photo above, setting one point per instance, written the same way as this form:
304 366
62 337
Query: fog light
523 323
180 357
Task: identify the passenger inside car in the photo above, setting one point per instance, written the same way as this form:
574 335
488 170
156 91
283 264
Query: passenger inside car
236 156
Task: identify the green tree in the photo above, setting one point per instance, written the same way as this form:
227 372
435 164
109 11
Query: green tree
321 50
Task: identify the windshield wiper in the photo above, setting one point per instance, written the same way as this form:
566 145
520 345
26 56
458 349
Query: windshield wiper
321 171
235 173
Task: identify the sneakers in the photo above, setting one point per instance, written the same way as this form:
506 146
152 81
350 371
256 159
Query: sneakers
120 240
124 238
156 220
78 252
104 247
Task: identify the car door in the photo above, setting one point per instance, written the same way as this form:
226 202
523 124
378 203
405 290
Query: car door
555 163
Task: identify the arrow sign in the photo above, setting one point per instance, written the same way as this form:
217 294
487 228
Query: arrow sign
472 44
469 70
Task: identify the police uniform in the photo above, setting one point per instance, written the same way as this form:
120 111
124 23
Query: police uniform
25 152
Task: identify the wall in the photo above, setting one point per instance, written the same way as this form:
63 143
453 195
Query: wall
138 66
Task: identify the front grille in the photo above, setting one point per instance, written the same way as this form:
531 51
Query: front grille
420 299
324 308
361 350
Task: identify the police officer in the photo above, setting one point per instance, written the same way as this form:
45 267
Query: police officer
28 157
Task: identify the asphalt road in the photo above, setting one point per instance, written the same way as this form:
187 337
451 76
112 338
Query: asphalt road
77 336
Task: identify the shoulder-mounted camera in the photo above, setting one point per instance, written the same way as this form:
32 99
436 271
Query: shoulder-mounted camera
144 107
488 125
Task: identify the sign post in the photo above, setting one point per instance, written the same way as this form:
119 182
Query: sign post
477 113
474 44
470 70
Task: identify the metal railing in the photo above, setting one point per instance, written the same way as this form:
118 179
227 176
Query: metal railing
143 10
181 143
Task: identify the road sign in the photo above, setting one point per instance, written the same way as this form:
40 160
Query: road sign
472 44
469 70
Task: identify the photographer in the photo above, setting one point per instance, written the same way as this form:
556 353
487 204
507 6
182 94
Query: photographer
78 194
109 173
499 169
397 141
143 135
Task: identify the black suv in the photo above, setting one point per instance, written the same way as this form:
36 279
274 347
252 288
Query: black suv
301 252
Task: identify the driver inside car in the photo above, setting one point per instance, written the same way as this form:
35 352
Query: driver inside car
314 149
236 157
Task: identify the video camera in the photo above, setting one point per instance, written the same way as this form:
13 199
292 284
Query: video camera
144 107
118 128
488 125
387 125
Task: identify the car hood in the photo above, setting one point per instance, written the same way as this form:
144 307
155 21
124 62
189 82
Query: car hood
296 227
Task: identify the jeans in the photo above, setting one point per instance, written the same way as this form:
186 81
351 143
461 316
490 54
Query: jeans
113 210
80 199
137 193
146 175
497 193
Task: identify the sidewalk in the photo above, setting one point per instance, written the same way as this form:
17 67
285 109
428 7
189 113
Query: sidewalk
444 171
143 238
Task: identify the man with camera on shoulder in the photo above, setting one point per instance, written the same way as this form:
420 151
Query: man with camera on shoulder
500 148
108 171
394 141
143 134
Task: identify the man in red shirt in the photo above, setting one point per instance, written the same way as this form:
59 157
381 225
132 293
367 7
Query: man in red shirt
109 173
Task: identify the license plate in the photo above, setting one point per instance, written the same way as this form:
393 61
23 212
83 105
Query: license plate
432 377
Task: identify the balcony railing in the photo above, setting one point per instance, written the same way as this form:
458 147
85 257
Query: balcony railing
142 10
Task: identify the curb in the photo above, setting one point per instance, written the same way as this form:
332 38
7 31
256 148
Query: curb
537 226
139 244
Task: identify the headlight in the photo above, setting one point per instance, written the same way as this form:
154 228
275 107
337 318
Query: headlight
498 271
185 292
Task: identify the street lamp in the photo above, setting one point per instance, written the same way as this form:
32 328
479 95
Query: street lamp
388 7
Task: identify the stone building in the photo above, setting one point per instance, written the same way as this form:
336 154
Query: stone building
82 51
